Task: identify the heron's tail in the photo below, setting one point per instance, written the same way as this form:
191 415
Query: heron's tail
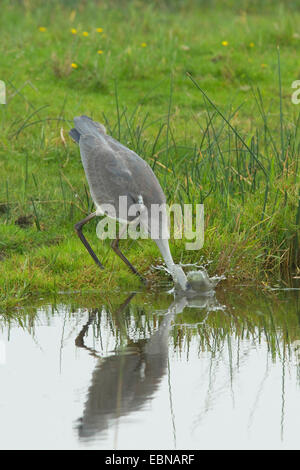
85 125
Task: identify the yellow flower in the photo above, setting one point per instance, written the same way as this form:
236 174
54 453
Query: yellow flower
99 30
143 44
224 43
99 52
251 44
74 31
42 29
85 33
264 65
74 66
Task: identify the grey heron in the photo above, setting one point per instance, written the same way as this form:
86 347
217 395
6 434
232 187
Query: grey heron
112 171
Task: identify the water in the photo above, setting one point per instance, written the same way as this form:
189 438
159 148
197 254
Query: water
145 371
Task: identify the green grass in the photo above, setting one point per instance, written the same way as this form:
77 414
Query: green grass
215 122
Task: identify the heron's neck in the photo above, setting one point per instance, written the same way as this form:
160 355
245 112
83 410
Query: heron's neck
176 271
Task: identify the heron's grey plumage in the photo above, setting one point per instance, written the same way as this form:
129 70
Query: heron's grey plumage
114 171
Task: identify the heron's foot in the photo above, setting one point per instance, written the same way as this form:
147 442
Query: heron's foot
99 264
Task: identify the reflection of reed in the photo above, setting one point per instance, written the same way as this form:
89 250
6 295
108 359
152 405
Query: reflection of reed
140 330
124 382
249 314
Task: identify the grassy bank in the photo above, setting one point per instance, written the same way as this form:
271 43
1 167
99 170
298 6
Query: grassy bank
142 71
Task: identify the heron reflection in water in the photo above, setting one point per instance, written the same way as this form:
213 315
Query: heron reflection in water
123 383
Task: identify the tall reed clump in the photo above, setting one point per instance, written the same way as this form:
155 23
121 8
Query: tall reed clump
249 184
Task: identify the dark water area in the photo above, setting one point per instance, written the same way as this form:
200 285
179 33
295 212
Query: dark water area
150 371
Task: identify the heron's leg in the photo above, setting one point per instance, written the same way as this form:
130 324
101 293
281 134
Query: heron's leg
115 247
79 341
78 228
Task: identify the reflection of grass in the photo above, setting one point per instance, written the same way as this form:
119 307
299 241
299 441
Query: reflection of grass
217 349
225 339
246 175
251 320
248 314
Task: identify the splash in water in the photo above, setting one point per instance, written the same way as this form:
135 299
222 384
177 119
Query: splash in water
199 280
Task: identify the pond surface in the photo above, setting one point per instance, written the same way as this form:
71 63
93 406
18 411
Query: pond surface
145 371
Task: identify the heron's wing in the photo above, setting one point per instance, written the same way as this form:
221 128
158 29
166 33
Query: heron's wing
106 171
112 169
